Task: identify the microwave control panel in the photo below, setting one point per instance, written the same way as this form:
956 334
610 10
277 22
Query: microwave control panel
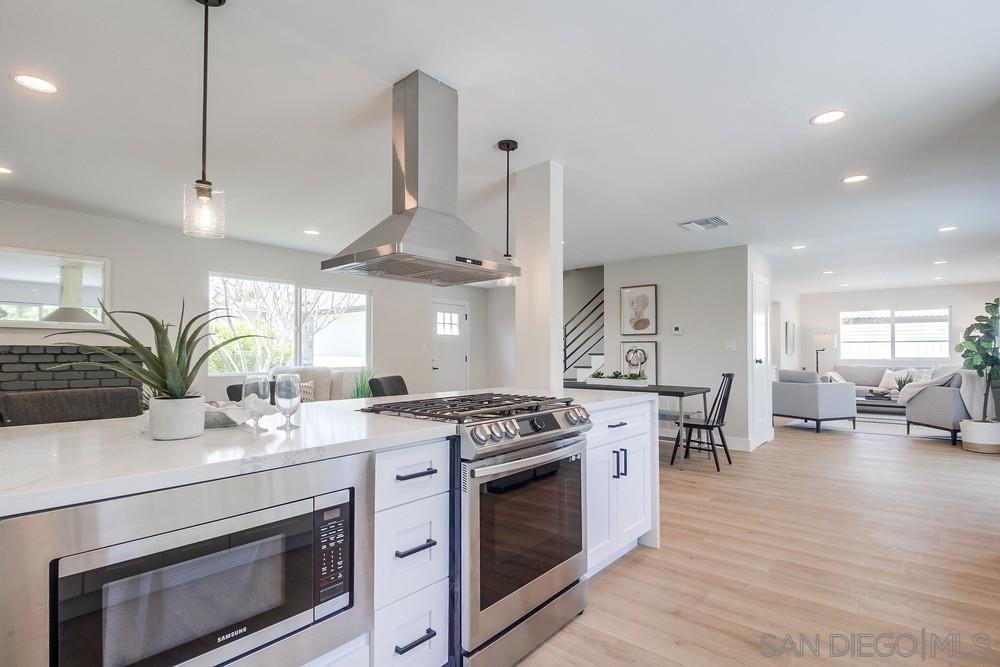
333 551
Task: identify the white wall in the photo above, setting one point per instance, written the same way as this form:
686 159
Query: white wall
153 268
821 312
579 286
500 343
706 293
789 303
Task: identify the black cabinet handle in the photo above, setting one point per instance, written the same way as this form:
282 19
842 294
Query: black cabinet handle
618 462
618 425
624 462
415 475
429 635
415 550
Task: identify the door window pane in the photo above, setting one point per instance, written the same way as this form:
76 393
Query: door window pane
447 324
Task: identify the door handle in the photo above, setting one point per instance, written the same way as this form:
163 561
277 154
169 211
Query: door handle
428 635
434 368
618 425
758 361
624 462
415 550
618 463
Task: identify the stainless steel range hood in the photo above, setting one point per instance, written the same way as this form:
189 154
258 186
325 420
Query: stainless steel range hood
424 240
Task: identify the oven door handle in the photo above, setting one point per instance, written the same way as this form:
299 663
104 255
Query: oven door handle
574 446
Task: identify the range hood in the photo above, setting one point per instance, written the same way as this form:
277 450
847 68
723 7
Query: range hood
424 240
71 298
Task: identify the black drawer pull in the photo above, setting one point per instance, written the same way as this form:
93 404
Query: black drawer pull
415 550
618 425
415 475
624 462
429 635
618 464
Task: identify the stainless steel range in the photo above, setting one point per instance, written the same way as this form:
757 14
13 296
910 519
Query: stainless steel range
521 519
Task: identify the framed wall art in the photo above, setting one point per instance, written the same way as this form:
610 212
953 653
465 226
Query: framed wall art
640 357
638 310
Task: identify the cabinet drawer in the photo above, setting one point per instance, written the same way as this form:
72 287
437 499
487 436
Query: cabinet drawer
619 423
411 548
413 632
405 475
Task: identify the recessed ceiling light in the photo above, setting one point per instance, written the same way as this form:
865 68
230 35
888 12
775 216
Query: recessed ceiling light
828 273
828 117
937 278
5 170
855 178
34 83
844 285
940 261
311 232
948 228
799 247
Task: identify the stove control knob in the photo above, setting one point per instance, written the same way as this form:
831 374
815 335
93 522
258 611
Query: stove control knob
496 431
479 434
584 415
537 424
510 426
572 417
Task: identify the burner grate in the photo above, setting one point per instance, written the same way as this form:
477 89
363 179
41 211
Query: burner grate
461 409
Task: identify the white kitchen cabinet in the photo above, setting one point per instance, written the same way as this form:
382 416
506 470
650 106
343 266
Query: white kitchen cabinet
412 543
619 483
411 473
413 632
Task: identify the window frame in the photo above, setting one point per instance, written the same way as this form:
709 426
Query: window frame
297 288
892 334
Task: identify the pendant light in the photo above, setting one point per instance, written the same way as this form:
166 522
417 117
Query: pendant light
507 145
205 204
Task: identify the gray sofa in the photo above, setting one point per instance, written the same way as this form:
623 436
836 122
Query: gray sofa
801 395
938 407
864 378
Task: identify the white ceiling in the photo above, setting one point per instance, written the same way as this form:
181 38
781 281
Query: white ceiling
660 111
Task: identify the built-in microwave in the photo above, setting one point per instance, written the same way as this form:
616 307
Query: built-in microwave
200 583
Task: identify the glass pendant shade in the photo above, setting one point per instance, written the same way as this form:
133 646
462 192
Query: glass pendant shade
204 210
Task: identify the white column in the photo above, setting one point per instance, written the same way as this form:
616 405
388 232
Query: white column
537 215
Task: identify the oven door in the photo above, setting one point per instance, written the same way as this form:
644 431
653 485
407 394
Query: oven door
523 534
195 596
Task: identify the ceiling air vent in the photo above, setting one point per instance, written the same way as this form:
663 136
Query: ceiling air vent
704 224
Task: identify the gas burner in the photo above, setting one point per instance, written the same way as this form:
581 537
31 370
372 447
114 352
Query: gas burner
491 424
469 407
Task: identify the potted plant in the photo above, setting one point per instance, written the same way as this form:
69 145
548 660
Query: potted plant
168 369
618 378
981 354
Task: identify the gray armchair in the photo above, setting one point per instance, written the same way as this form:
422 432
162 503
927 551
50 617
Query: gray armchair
937 407
801 395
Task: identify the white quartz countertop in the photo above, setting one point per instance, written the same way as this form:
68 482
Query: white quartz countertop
54 465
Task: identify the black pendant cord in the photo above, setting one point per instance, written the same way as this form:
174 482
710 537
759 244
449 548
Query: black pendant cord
204 100
507 254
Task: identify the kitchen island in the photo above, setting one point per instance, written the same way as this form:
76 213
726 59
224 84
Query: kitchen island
104 463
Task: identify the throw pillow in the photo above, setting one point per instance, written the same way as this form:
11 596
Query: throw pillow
308 391
920 375
888 380
834 376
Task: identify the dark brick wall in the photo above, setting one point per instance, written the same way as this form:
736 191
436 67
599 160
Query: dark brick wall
29 368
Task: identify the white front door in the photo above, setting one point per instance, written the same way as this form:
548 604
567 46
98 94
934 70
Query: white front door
761 430
451 346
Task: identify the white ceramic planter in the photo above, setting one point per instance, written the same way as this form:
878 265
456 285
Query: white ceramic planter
982 437
176 418
618 382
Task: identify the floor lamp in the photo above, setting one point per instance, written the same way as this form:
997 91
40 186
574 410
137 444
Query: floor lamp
822 342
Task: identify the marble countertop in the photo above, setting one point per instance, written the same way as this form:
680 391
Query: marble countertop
54 465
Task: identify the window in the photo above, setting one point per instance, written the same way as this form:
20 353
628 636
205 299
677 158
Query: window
900 334
298 325
447 324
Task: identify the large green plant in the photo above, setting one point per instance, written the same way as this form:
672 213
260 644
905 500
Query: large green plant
168 368
979 348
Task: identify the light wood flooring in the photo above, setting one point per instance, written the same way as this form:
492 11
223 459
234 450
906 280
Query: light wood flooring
812 533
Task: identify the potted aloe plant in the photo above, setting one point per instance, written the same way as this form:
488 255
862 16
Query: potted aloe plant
168 369
979 349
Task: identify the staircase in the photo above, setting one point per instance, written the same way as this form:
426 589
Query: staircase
583 340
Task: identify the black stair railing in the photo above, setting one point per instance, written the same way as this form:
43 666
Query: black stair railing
584 331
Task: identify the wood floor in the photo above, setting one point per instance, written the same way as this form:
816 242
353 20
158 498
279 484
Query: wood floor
830 533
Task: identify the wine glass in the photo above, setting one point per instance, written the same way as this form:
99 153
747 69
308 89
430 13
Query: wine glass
256 385
287 397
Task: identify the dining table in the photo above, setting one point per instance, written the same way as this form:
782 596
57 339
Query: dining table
678 391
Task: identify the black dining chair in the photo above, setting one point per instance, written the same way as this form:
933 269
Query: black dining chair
390 385
234 392
714 422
